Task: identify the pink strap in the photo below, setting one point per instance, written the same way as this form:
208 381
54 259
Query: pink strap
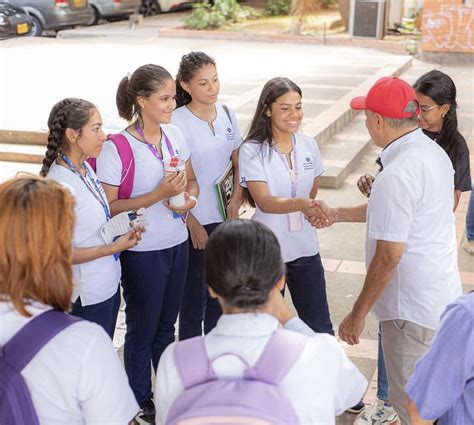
128 164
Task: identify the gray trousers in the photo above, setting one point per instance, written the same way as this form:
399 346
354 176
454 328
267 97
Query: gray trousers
403 344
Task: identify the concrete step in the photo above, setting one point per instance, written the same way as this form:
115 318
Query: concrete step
343 150
33 154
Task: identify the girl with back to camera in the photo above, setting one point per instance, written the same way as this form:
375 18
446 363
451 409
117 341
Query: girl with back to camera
247 367
281 168
75 134
154 272
72 373
213 138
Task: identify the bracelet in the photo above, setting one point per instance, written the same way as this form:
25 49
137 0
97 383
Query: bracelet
194 199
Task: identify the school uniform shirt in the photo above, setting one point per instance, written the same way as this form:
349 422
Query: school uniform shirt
96 280
322 383
162 229
211 151
77 377
412 202
257 164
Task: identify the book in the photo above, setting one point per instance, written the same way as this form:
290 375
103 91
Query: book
224 188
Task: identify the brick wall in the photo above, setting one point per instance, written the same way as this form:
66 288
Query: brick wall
448 26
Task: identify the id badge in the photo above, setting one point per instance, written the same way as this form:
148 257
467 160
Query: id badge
295 221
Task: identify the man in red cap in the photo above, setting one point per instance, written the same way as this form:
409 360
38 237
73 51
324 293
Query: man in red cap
411 258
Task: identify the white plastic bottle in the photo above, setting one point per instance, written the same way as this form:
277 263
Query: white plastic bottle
175 165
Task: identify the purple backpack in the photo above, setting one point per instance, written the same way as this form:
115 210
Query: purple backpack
16 406
254 399
128 164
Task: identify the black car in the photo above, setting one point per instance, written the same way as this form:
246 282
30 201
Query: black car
14 21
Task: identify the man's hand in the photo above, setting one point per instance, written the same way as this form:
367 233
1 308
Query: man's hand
351 328
320 215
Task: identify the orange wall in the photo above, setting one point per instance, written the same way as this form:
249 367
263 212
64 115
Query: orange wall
448 26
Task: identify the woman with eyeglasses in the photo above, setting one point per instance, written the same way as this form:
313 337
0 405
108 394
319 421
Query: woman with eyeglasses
436 94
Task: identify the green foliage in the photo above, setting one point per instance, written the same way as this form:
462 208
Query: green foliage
277 7
206 16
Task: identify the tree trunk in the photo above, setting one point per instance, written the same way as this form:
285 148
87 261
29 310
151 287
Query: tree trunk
344 10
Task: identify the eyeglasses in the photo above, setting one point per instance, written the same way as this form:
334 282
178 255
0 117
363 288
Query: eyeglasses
425 109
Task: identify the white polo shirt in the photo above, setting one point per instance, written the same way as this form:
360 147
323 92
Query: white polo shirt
96 280
256 164
77 377
412 202
322 383
211 153
162 230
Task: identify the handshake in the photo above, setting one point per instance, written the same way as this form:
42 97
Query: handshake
319 214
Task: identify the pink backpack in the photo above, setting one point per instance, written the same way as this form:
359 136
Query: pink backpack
128 164
255 399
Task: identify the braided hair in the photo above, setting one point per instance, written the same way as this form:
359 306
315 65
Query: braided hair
68 113
189 65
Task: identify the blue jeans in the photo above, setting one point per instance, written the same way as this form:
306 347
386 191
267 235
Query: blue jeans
307 285
470 218
197 305
382 380
153 283
103 313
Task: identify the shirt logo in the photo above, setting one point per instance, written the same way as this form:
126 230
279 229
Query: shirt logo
229 135
308 164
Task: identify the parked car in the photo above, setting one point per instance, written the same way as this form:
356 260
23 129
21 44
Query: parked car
14 21
55 14
112 9
152 7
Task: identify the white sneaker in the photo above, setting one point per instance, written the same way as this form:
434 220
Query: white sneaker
376 414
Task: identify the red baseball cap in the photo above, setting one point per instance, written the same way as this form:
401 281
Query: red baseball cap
389 97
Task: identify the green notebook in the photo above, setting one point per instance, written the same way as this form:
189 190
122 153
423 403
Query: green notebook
225 188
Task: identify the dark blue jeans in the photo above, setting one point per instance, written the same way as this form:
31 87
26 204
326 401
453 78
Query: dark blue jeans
197 305
307 285
153 283
104 313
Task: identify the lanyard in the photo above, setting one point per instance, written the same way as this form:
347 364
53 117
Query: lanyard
293 172
95 189
153 148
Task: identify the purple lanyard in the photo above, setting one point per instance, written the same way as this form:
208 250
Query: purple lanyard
153 148
293 172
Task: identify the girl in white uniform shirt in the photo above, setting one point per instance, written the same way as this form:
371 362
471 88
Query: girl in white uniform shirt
154 272
77 377
75 134
245 271
281 170
213 138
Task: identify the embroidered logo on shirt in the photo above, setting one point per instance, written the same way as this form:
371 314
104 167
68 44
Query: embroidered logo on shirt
308 164
229 135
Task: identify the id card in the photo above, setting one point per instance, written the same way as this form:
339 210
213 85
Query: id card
295 221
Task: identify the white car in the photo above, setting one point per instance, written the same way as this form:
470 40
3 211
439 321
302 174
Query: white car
153 7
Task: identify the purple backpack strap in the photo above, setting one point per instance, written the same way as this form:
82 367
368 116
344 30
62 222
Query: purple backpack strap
32 337
192 362
128 164
279 355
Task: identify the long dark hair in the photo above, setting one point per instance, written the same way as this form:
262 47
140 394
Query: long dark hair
189 65
261 127
68 113
441 89
145 81
243 263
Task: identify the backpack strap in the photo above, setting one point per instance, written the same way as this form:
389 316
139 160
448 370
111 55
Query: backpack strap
192 362
32 337
279 355
226 109
128 164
